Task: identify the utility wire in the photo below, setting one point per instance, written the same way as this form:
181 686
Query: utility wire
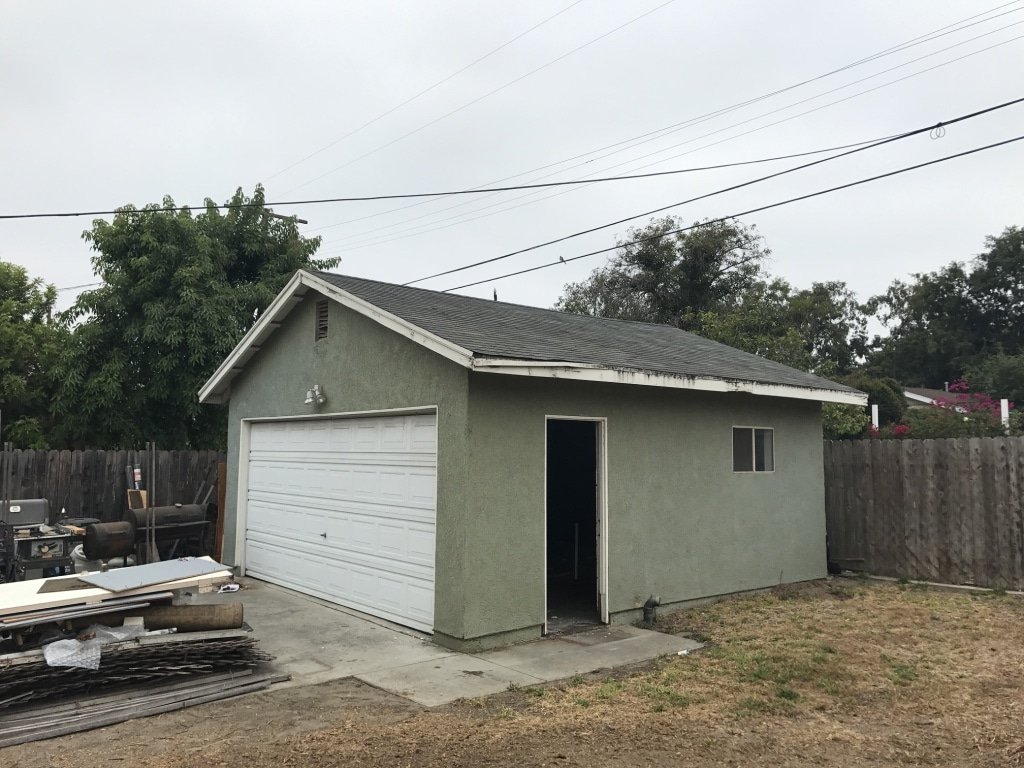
581 181
751 182
417 230
427 90
675 127
450 193
743 213
461 218
478 99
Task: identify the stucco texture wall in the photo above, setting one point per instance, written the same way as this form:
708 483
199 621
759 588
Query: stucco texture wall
362 366
681 524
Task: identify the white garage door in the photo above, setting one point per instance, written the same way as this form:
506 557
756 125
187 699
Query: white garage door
344 509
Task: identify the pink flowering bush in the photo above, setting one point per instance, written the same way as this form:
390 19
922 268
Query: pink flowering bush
961 414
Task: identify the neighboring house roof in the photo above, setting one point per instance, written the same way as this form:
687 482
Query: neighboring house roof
498 337
925 395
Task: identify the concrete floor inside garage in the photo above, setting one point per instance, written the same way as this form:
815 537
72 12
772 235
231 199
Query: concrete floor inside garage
315 641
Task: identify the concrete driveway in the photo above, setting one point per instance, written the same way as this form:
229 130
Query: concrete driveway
315 641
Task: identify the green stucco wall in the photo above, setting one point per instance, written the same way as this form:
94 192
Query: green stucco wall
681 523
362 366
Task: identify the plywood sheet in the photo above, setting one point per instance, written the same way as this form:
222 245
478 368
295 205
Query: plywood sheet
23 596
138 576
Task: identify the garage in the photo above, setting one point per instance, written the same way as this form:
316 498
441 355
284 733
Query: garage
344 509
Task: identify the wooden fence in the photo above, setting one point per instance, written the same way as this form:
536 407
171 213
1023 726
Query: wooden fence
949 511
94 484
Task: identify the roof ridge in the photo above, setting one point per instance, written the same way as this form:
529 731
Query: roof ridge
508 303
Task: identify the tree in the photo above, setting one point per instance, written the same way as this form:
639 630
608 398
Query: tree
839 422
711 280
759 322
945 322
1001 375
29 340
179 290
659 277
832 324
887 394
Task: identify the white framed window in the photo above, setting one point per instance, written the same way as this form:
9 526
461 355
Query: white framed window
753 449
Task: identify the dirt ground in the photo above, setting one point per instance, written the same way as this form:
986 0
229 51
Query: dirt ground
834 673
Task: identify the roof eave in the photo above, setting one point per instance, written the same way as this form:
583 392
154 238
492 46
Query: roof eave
586 372
215 390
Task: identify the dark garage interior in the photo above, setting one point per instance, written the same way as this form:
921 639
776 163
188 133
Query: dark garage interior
572 583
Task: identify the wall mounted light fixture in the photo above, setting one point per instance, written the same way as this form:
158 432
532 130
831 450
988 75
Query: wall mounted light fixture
314 396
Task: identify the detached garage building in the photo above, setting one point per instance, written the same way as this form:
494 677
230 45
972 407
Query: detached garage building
482 470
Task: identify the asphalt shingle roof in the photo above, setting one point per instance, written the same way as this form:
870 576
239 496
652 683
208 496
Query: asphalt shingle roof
502 330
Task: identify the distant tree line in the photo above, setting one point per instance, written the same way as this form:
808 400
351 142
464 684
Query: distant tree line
963 323
179 288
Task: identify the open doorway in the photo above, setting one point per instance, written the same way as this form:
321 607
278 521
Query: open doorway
573 524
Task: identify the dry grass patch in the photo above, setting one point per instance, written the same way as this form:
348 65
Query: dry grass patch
833 673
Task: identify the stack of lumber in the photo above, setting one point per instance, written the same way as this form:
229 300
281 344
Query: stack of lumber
40 602
164 656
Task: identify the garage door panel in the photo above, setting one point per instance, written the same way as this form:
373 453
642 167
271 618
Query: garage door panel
400 599
369 484
414 486
364 534
314 550
407 510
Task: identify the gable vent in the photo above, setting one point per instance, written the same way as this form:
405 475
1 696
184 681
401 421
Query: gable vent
321 319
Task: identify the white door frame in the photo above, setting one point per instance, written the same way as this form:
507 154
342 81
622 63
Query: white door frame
242 488
602 511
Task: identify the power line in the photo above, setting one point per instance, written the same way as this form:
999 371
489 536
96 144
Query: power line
478 99
427 90
74 287
742 213
431 227
675 127
882 142
572 182
446 193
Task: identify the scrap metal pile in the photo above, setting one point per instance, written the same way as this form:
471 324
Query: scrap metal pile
84 651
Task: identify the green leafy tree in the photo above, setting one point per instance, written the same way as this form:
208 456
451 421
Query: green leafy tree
711 280
886 393
672 278
758 322
832 324
29 340
1000 375
842 422
946 322
179 290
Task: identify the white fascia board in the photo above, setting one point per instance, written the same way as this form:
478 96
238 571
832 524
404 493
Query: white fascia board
282 304
918 398
431 341
586 372
214 390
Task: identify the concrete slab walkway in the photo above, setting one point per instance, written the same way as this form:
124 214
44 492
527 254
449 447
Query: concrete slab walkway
437 682
316 641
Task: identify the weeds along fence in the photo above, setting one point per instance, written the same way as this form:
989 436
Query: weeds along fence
94 483
949 511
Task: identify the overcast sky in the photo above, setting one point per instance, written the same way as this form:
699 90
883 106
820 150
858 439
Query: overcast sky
107 103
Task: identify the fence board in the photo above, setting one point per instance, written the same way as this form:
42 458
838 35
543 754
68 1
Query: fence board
941 510
93 483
